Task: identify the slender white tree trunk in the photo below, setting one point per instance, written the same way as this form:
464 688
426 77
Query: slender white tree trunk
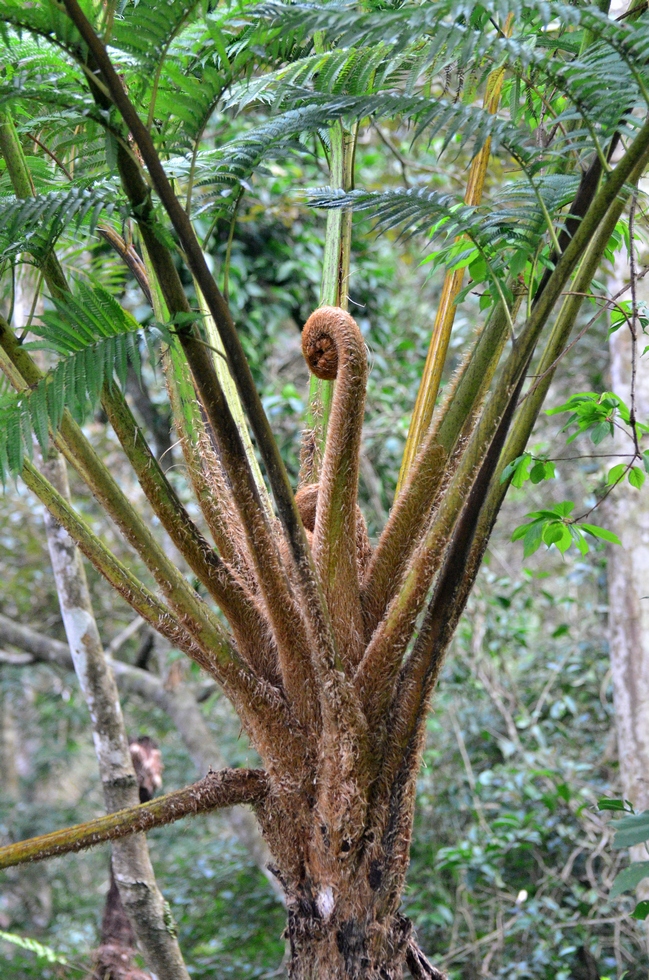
628 586
141 898
149 915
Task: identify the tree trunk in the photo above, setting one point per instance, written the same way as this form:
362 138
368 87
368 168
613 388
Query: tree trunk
343 897
628 585
130 858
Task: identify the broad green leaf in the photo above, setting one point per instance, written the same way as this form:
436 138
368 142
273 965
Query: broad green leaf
553 533
601 431
616 473
600 532
631 830
636 477
629 878
532 540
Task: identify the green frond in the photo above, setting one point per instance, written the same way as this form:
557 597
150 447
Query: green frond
95 340
512 220
465 127
145 28
459 36
33 224
43 18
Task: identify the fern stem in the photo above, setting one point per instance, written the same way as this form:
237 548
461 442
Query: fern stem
333 292
144 602
83 458
208 387
376 672
531 403
421 670
23 186
203 372
232 396
288 628
235 603
228 249
262 711
445 317
80 454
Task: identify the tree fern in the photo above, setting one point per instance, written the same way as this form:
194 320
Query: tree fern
460 34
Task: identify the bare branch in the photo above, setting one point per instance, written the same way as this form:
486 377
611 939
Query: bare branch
129 256
179 704
225 788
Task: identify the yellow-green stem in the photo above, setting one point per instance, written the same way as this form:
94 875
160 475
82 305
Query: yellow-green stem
335 276
441 335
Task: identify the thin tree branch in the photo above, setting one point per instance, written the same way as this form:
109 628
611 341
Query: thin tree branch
50 154
129 256
225 788
131 862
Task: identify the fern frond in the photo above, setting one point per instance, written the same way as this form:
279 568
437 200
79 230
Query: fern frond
43 18
511 220
601 82
33 224
466 127
145 29
96 341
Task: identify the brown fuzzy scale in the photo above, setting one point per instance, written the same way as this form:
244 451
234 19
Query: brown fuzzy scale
252 634
306 499
319 347
431 470
402 533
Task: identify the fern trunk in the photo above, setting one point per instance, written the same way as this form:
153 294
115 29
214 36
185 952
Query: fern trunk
343 899
352 946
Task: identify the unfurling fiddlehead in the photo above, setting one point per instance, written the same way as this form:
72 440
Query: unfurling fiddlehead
333 347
